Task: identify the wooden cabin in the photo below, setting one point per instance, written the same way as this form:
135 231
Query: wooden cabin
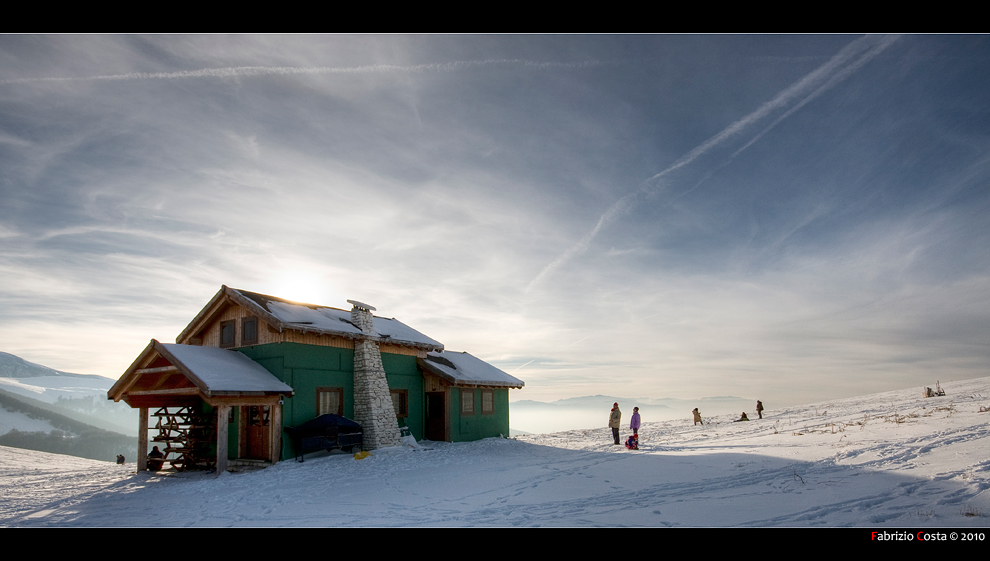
250 364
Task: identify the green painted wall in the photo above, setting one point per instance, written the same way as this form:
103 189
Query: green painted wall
402 373
306 367
480 425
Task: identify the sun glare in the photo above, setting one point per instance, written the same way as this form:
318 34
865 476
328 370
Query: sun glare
308 291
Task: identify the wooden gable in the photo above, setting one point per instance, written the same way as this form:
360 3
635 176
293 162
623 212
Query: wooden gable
206 328
154 381
231 310
228 312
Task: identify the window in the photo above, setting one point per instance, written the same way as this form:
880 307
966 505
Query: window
400 402
330 400
467 402
259 416
228 333
487 402
249 330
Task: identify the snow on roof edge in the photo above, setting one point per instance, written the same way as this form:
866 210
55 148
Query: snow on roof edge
463 368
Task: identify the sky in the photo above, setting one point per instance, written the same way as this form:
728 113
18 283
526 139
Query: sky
783 217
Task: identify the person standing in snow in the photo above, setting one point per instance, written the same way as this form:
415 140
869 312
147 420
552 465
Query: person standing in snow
634 424
697 416
759 408
614 421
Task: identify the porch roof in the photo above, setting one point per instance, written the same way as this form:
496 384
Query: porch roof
173 370
225 370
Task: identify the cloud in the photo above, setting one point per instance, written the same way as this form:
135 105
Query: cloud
838 68
252 71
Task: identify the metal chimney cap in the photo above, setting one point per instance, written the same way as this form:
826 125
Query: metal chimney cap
361 305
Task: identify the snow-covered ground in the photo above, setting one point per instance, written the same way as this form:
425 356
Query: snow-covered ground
887 460
22 422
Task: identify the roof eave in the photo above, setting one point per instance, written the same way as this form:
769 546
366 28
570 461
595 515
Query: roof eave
425 365
207 311
258 309
215 305
473 384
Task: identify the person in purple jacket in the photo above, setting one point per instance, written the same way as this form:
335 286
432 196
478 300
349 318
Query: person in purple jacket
634 424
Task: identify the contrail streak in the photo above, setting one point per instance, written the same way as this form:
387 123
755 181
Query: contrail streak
837 69
249 71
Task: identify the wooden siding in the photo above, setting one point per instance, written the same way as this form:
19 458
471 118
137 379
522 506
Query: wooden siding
266 335
434 383
398 350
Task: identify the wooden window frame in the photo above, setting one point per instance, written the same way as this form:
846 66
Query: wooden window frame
464 410
233 339
490 394
244 322
330 389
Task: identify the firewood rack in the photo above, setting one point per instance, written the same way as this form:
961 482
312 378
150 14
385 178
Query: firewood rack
187 436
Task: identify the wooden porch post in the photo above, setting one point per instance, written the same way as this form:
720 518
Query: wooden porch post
448 415
275 422
223 411
142 459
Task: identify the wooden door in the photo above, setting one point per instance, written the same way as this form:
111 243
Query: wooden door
258 432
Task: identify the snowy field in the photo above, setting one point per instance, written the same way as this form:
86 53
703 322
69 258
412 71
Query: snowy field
890 460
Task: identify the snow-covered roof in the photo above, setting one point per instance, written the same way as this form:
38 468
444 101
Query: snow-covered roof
324 319
464 369
211 371
224 370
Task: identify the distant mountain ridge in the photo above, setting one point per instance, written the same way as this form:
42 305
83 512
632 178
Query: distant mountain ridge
81 420
88 411
12 366
630 402
72 435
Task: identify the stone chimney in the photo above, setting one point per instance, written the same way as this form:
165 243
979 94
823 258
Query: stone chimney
372 400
